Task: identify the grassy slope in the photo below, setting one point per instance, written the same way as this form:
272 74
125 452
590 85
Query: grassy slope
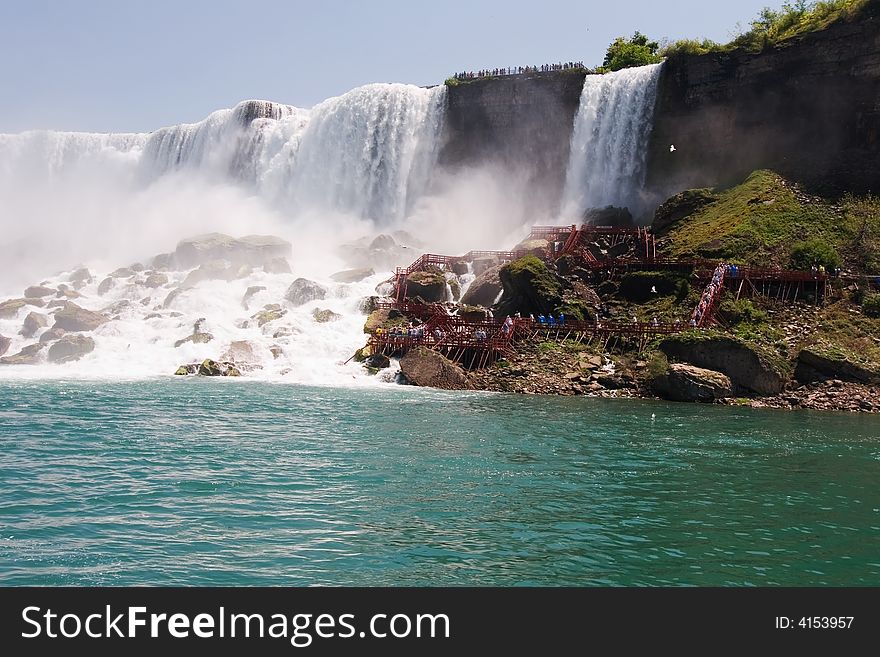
758 222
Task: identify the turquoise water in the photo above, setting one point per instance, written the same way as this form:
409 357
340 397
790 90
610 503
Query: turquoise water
202 482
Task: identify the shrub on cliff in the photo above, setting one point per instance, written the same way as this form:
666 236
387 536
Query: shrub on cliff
808 253
871 305
626 53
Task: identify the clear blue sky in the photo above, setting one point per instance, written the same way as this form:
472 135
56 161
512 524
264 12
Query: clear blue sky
136 65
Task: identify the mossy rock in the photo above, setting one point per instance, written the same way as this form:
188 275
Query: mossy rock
529 287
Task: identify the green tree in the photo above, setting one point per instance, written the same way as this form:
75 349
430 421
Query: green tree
626 53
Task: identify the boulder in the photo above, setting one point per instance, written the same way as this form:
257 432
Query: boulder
250 292
51 335
122 272
377 319
529 287
214 270
30 355
73 318
36 291
198 337
253 250
812 366
10 308
80 277
106 285
33 323
377 362
241 352
424 367
269 313
428 285
689 383
4 344
276 351
176 292
473 313
368 304
746 368
71 347
65 292
162 262
484 289
352 275
137 267
680 206
460 268
277 266
302 291
537 247
609 216
323 315
156 279
479 265
184 370
210 367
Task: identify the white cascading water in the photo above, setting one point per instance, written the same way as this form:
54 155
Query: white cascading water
358 161
609 143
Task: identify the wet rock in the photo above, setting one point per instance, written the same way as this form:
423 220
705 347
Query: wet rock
250 292
529 287
255 250
195 338
243 354
460 267
424 367
277 266
352 275
33 323
484 289
156 279
377 362
302 291
162 262
11 307
71 347
65 292
122 272
176 292
269 313
210 367
36 291
51 335
323 315
71 317
689 383
106 285
609 216
368 304
80 277
29 355
427 285
4 344
184 370
473 313
276 351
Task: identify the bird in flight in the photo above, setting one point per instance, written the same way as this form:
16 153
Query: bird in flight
671 148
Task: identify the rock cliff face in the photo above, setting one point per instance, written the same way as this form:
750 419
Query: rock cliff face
809 109
522 123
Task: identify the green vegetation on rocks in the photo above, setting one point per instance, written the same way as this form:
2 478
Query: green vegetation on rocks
769 221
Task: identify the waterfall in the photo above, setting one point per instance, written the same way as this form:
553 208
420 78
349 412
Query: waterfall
609 143
368 153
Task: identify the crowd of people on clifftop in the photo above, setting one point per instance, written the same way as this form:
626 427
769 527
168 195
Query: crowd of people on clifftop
518 70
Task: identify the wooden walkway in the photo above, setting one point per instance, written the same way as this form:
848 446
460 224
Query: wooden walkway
478 343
